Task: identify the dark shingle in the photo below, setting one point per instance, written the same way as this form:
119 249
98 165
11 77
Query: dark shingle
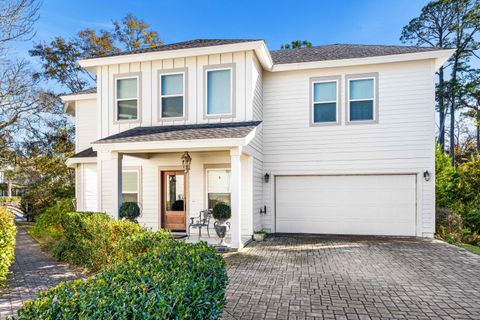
86 91
197 43
340 51
184 132
87 153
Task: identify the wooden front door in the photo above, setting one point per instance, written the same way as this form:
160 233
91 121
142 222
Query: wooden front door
174 200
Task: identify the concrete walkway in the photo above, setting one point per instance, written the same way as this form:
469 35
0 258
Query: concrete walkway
33 271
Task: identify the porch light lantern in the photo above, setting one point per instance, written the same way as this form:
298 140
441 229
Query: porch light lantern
266 177
186 161
426 175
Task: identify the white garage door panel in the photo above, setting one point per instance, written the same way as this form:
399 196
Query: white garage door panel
368 204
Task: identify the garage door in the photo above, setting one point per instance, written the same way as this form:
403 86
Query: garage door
357 204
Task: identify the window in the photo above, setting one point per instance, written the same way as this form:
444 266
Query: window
361 99
131 186
126 99
218 186
325 101
172 95
219 92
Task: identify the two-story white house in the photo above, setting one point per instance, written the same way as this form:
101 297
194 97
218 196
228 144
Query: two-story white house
335 139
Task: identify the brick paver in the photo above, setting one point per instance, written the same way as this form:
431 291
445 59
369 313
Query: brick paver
327 277
33 271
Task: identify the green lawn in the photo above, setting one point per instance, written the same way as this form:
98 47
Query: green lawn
469 247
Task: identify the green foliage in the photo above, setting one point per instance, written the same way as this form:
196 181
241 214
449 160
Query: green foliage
4 200
130 211
48 229
469 185
7 242
175 280
446 180
471 219
59 57
221 211
91 240
297 44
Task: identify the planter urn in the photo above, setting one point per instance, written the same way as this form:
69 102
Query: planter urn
221 227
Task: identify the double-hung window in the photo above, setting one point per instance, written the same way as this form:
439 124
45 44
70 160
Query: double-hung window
127 98
218 186
219 92
362 99
325 101
131 186
172 95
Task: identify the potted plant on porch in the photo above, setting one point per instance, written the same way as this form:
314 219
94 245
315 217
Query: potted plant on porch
221 213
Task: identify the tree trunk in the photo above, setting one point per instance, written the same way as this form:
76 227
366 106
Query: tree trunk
452 132
9 186
441 110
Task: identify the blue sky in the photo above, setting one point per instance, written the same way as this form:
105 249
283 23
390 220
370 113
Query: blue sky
321 21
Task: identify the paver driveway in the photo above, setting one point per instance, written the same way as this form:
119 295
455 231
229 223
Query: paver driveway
326 277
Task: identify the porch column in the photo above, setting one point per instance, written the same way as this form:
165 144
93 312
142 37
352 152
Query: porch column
109 179
235 189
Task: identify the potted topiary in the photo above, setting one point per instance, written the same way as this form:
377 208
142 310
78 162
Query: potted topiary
259 235
221 213
130 211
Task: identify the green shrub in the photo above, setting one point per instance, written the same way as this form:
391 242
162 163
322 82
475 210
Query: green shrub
4 200
469 183
174 281
48 229
130 211
221 211
90 240
446 180
471 219
7 242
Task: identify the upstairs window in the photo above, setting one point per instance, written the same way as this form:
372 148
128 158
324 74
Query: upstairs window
126 99
172 95
325 102
361 99
219 92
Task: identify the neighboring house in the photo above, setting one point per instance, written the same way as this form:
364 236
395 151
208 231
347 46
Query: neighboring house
335 139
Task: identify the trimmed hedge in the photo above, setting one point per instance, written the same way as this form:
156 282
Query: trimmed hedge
95 240
7 242
174 280
48 229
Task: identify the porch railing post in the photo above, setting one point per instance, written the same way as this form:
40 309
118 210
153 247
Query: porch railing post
235 189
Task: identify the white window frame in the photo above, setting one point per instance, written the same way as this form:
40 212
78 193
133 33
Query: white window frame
313 81
207 169
123 77
138 171
374 99
208 69
162 73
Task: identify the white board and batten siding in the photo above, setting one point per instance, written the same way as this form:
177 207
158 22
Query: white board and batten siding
402 142
194 93
85 124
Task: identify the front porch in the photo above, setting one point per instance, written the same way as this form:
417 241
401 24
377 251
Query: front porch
192 191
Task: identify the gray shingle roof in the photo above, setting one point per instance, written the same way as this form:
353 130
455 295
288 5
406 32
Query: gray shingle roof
87 153
197 43
229 130
340 51
86 91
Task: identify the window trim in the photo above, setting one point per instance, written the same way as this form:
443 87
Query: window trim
120 76
338 80
363 76
219 67
138 170
164 72
210 167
